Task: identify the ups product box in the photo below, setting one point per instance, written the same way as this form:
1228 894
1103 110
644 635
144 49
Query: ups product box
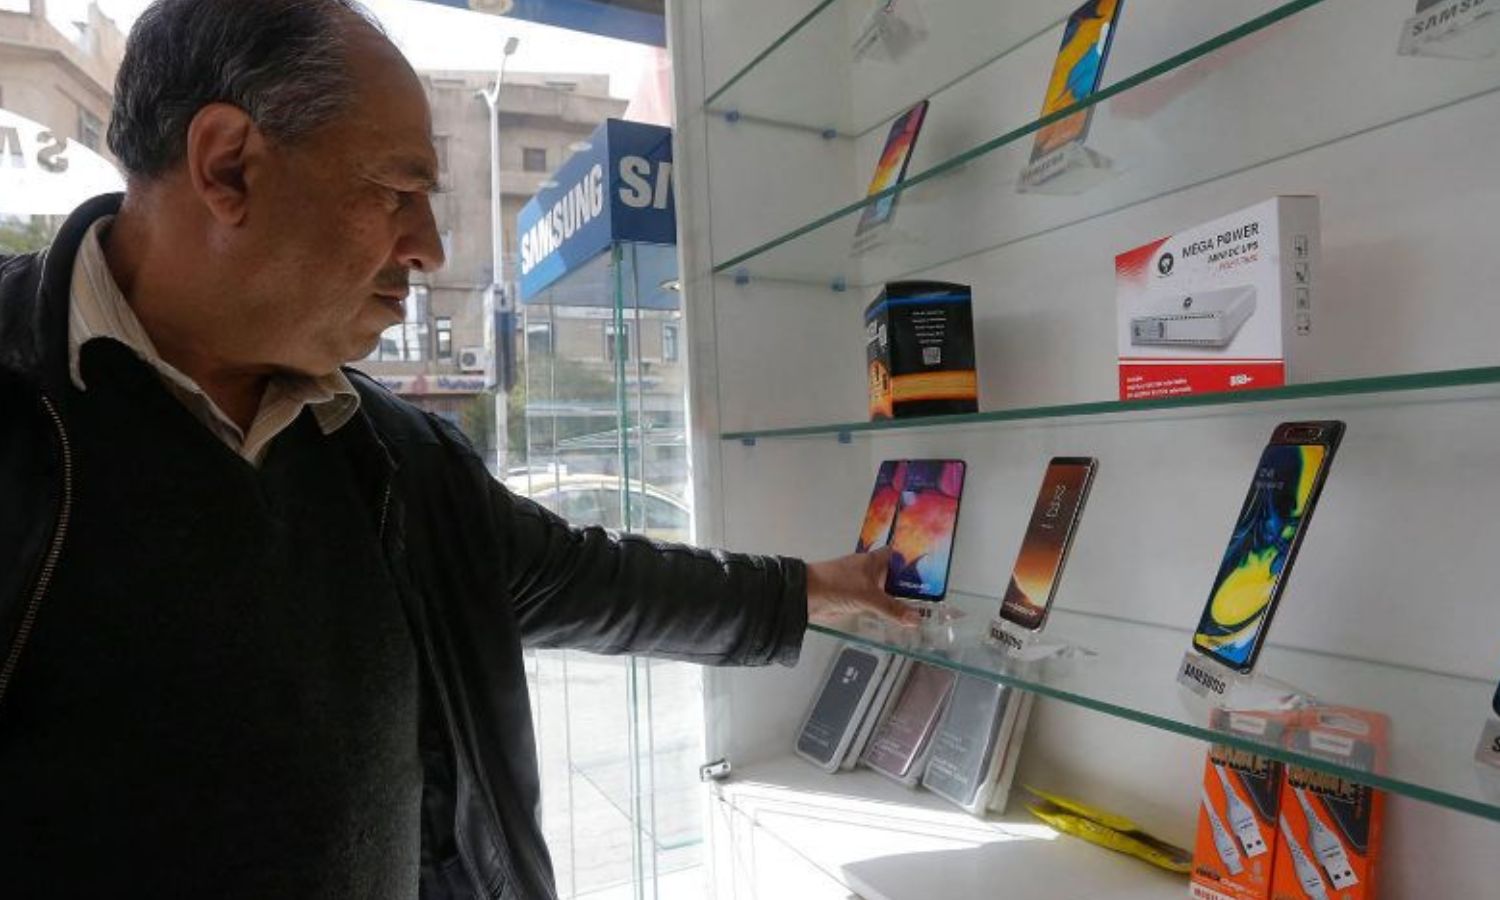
1331 825
1235 848
919 350
1222 306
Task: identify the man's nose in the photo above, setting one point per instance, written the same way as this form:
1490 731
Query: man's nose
421 247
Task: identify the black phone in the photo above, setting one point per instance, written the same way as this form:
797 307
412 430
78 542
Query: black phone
1267 535
1495 703
1044 549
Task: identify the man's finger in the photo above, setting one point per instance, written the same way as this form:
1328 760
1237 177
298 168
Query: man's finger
893 609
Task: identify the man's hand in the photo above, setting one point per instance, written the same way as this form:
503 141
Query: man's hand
853 584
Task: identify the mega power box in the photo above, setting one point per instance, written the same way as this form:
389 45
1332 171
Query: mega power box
919 350
1223 306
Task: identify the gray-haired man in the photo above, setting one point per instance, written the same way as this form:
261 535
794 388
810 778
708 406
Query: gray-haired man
260 622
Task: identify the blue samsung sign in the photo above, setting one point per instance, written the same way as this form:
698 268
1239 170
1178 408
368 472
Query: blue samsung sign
618 189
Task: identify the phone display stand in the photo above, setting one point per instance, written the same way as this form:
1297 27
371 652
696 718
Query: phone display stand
1205 686
886 235
1487 759
1070 169
890 31
1031 646
1456 29
936 631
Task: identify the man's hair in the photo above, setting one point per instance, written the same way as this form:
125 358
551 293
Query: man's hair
284 62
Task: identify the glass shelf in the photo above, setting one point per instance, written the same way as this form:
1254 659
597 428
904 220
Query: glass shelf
1435 717
1449 384
1257 92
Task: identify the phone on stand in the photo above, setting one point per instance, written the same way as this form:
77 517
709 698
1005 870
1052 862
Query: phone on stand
1049 537
890 170
1267 535
880 515
926 522
1077 73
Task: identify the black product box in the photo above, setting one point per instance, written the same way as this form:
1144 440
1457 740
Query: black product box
919 349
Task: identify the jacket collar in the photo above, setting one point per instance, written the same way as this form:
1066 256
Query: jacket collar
34 312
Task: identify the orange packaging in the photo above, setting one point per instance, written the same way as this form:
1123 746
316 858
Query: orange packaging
1235 848
1330 826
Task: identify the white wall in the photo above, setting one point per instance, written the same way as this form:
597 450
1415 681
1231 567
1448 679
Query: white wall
1398 566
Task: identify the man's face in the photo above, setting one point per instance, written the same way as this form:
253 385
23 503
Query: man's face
339 221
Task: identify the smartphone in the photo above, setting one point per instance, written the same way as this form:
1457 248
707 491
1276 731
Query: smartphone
922 536
847 692
1077 73
891 168
1044 549
880 515
898 749
972 742
1271 526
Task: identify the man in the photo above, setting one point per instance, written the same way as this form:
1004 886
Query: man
260 622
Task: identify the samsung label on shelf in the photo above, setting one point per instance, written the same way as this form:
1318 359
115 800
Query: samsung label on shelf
617 188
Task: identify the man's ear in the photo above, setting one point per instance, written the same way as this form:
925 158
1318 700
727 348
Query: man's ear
222 143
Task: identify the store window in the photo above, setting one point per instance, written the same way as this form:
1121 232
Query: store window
534 159
669 336
539 339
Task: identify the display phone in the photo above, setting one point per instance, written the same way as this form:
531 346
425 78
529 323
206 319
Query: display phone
1267 534
1076 73
880 515
1049 536
922 536
891 168
840 706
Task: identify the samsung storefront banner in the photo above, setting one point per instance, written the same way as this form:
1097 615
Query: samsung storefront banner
616 189
43 173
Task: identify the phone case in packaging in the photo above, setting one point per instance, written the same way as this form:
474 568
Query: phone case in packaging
840 705
890 685
902 741
970 761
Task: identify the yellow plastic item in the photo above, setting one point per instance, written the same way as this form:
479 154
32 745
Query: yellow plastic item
1108 830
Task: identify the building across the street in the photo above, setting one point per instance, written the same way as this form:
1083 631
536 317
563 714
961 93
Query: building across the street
65 83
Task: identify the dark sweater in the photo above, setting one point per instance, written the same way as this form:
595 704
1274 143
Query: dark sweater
222 698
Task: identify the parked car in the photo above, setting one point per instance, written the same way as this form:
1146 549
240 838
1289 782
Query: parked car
595 500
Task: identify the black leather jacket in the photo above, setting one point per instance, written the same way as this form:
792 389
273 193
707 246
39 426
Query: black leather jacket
482 573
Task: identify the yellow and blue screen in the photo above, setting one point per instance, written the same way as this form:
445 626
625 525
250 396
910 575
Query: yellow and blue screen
1076 73
1259 551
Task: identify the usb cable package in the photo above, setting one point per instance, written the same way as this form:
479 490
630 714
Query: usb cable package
1330 825
1241 799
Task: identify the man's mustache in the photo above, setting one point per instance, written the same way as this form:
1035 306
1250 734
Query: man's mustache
393 281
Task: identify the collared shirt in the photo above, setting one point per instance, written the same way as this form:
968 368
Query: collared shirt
98 310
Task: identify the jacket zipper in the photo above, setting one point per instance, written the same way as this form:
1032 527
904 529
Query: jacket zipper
49 564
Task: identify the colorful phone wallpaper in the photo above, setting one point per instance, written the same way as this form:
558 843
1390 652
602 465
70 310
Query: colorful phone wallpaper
1259 550
1045 543
922 541
1076 73
881 513
892 165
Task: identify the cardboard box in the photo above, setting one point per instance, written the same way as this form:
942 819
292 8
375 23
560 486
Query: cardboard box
919 349
1222 306
1331 826
1234 851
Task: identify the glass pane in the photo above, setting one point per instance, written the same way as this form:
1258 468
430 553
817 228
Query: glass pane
1166 75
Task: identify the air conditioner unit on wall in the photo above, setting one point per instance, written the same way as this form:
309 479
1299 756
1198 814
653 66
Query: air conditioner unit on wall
471 359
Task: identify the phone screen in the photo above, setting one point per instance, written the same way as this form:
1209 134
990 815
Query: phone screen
892 166
1076 74
881 513
926 519
1045 547
1260 550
